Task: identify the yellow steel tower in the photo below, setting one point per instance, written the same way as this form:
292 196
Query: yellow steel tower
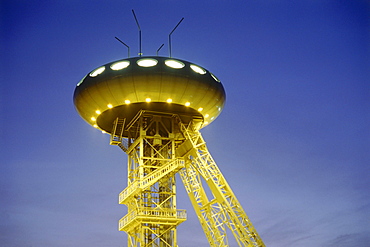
153 108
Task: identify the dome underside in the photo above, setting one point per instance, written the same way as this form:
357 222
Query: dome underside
128 112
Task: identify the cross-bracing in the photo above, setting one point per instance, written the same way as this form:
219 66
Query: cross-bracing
158 146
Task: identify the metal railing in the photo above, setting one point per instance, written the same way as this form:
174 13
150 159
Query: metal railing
156 214
150 179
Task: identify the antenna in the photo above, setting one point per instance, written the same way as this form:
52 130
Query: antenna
159 48
138 26
169 36
128 48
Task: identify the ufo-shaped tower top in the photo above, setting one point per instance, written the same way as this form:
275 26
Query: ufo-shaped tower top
121 89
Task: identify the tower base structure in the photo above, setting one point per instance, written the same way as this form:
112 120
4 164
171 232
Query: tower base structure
160 145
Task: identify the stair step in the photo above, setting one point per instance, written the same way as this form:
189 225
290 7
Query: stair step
150 179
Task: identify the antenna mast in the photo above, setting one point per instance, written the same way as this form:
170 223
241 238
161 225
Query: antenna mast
169 36
128 48
159 48
138 26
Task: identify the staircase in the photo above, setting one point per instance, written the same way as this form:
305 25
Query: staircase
117 132
150 179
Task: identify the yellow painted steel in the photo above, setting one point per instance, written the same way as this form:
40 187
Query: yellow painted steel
150 196
159 145
154 114
224 210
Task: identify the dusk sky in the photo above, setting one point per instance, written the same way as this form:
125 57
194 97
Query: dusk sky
293 140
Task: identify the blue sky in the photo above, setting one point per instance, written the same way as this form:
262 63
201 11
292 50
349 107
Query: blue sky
292 140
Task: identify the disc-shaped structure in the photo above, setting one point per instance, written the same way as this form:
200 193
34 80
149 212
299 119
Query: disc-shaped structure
121 89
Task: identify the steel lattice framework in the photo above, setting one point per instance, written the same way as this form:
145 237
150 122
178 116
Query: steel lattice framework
153 108
158 146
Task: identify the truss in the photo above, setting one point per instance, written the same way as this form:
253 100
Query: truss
159 145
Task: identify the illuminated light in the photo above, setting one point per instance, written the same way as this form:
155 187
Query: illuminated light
219 108
197 69
187 104
103 132
148 100
147 62
207 115
200 109
214 77
174 64
127 101
169 100
212 118
110 106
82 80
120 65
93 118
95 126
97 112
97 72
205 123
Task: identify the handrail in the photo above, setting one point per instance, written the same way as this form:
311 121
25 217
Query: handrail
152 213
150 179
